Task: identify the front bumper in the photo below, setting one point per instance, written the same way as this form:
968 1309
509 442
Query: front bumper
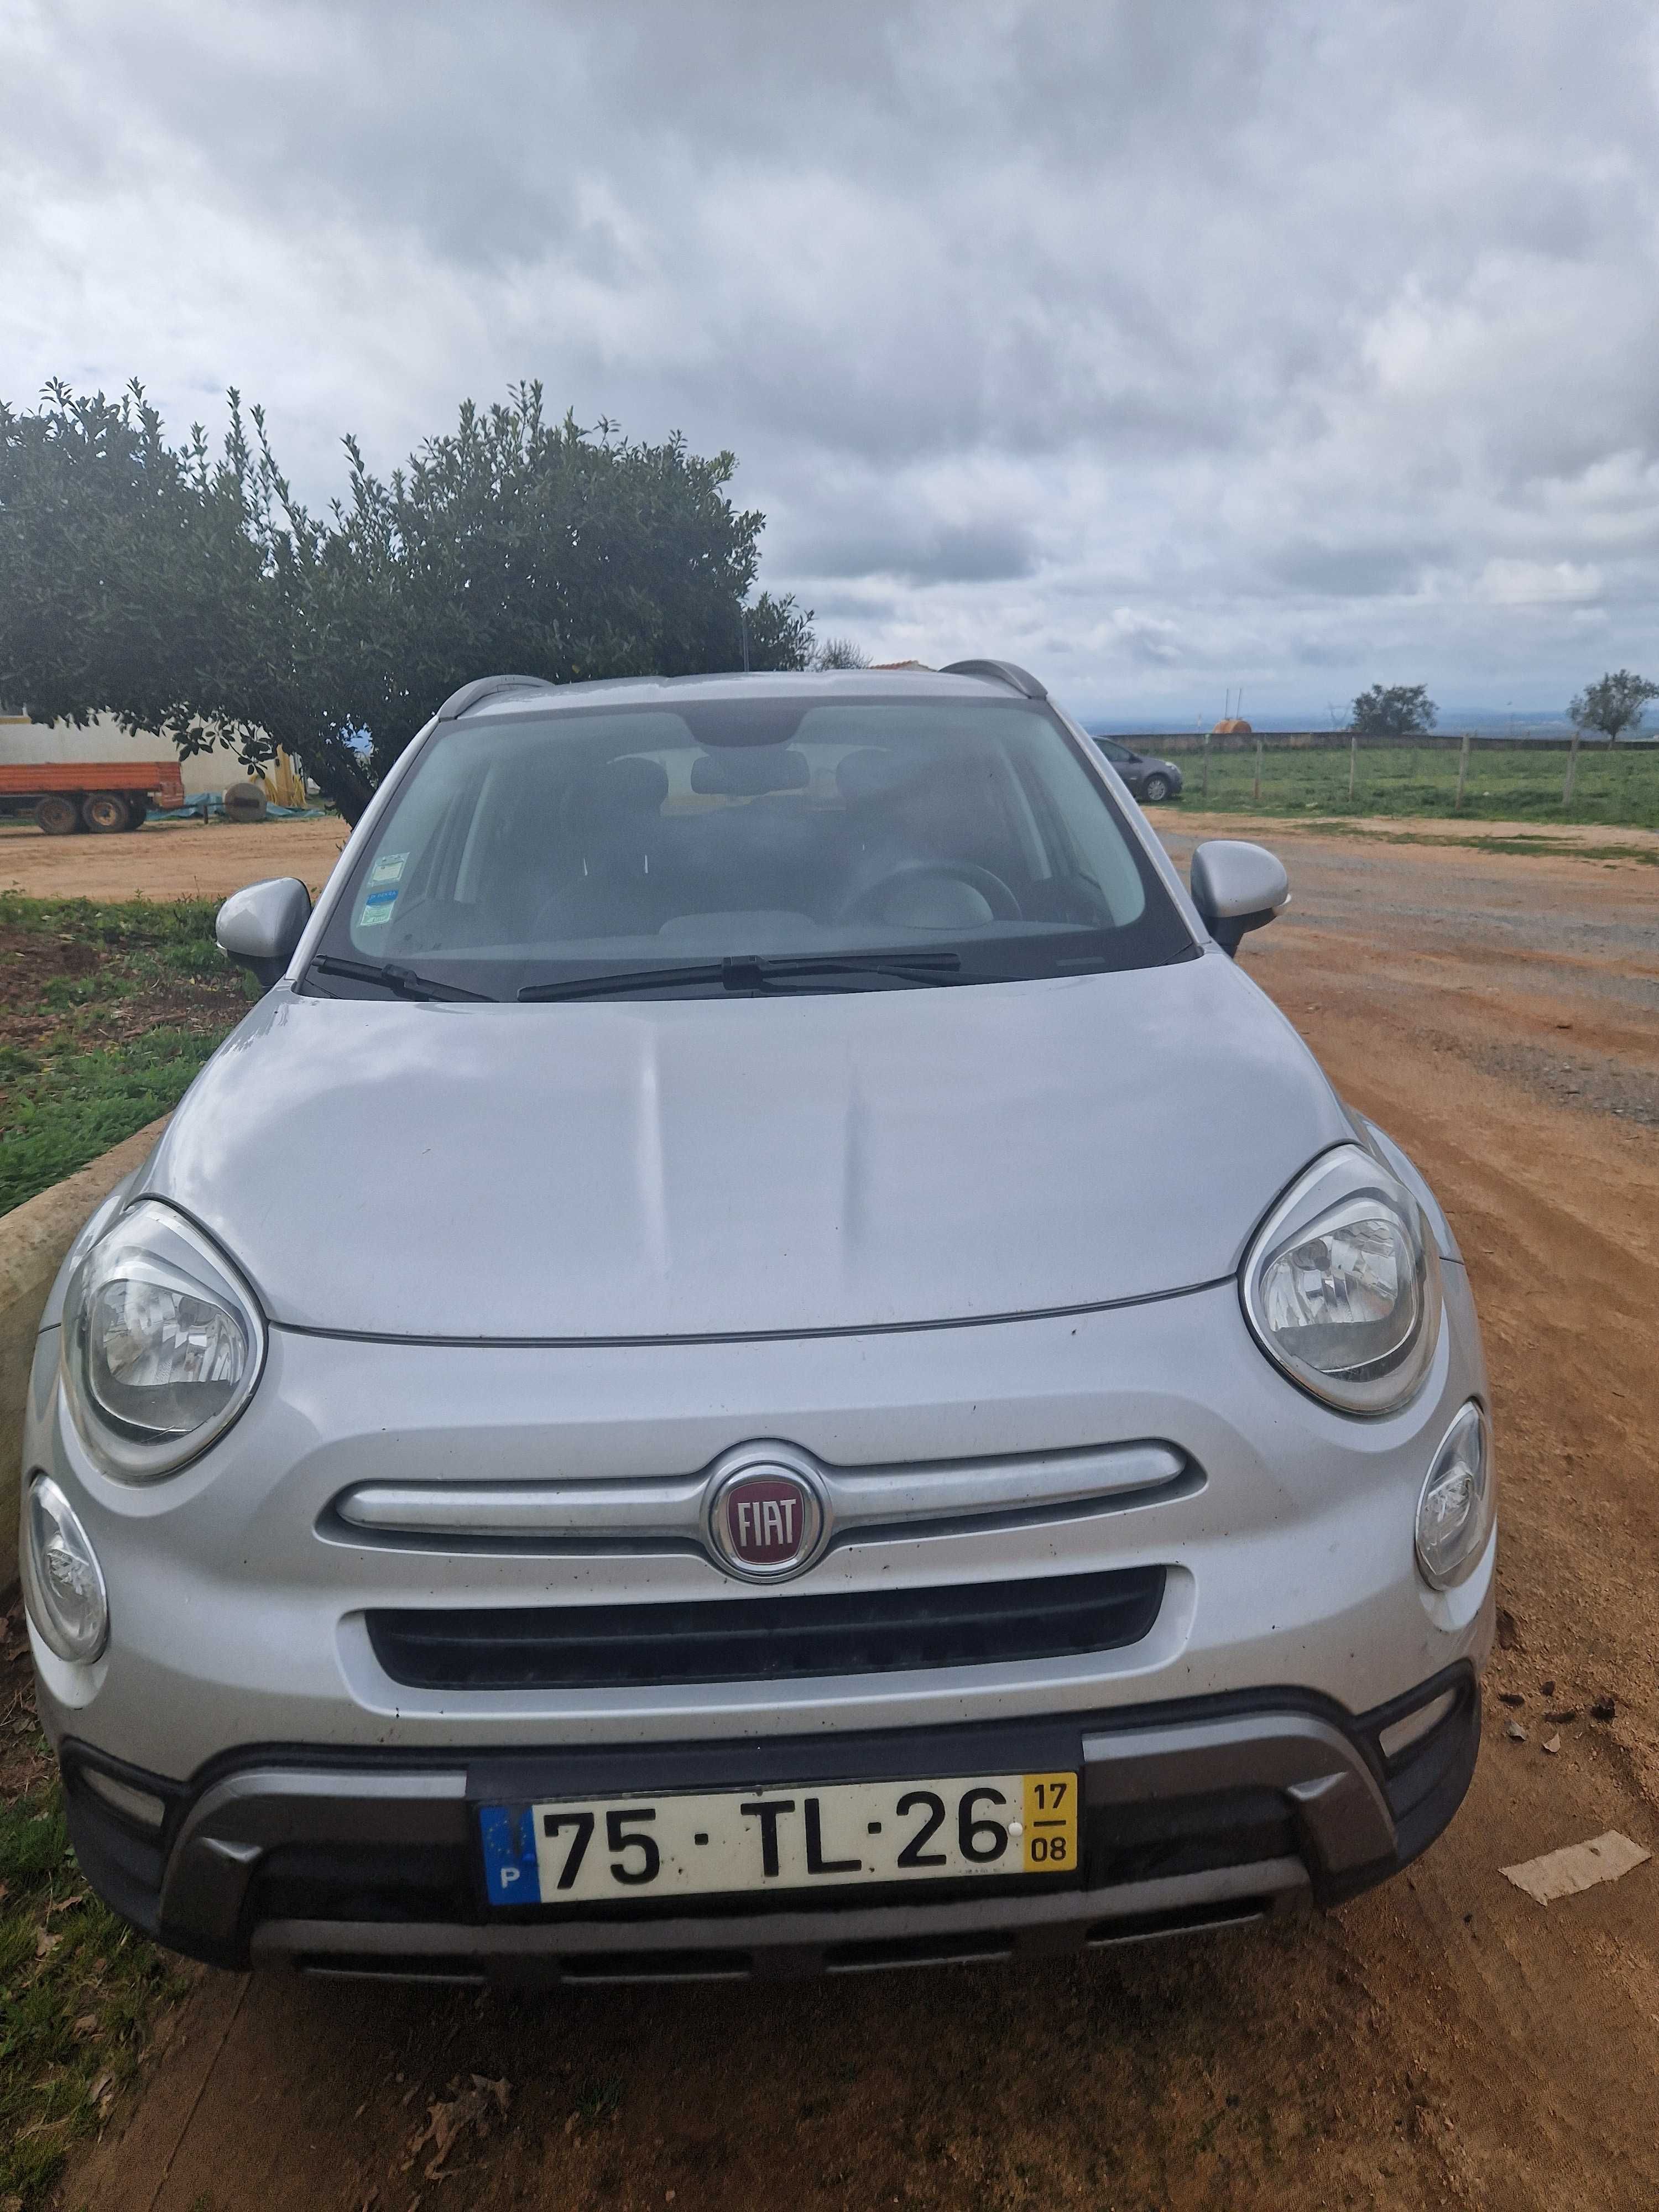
1197 1813
243 1613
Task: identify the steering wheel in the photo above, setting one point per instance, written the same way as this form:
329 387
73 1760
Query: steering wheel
864 905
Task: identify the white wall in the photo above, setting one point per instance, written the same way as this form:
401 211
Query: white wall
22 741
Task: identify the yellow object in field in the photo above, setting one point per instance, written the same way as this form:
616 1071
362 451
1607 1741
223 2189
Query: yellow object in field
284 785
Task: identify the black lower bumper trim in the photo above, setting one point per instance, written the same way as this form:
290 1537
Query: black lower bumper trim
991 1945
1202 1811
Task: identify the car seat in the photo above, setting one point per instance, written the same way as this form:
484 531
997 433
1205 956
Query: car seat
609 826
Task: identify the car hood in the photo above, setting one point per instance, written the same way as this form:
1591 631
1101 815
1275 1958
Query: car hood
746 1165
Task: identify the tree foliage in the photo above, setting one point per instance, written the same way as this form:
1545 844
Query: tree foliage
191 594
1394 710
1614 703
840 653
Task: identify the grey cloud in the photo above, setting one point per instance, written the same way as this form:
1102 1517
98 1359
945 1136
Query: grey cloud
1176 346
943 553
1350 571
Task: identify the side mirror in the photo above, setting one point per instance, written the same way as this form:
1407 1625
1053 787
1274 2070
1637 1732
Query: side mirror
1237 887
259 927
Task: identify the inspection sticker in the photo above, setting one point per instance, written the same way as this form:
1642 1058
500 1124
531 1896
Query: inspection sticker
380 894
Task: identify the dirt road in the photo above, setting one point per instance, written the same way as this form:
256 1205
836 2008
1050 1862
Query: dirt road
1445 2041
172 859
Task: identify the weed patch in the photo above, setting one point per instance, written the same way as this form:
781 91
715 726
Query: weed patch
107 1012
78 1988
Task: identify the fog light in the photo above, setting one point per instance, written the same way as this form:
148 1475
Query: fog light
62 1582
1453 1515
1391 1741
141 1806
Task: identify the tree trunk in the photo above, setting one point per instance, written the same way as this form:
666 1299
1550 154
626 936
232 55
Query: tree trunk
340 773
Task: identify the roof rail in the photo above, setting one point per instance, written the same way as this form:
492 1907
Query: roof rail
470 693
1000 672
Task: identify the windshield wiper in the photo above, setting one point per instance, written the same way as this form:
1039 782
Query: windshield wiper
404 982
756 972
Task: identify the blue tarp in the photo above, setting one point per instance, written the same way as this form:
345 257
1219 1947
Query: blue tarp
203 805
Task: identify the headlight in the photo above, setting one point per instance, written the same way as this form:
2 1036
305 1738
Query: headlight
1341 1286
162 1344
1453 1515
62 1582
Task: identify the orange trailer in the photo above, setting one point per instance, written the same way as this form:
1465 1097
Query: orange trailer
98 795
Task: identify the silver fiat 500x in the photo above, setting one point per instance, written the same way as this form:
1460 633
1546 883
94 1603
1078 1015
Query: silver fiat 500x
643 1419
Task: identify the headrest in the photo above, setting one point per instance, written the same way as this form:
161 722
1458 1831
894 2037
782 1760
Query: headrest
616 789
750 771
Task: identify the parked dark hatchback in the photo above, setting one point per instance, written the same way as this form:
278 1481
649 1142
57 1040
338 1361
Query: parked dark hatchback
1147 777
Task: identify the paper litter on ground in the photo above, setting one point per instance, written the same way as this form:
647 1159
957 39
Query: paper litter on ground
1576 1866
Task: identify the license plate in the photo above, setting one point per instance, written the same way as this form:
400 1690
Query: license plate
804 1836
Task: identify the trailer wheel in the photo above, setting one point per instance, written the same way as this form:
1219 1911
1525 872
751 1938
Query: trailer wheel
105 810
137 808
57 814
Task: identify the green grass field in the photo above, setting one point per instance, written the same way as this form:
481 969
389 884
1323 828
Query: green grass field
1618 787
107 1012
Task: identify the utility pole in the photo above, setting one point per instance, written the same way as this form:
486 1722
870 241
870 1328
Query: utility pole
1462 769
1353 760
1256 791
1572 766
743 624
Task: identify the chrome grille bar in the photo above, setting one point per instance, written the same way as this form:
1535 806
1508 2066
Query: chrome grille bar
666 1514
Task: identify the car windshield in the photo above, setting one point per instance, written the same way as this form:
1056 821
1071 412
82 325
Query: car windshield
758 844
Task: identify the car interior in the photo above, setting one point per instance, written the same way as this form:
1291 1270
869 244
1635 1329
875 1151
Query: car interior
545 836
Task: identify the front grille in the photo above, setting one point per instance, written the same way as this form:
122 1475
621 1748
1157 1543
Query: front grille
766 1639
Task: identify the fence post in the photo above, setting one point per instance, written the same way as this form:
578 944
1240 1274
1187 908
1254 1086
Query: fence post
1256 793
1462 768
1572 769
1353 760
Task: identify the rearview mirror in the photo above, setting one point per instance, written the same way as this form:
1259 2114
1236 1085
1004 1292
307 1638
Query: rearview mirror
259 927
1237 887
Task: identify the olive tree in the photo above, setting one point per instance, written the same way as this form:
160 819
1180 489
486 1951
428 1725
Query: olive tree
191 594
1394 710
1614 704
154 580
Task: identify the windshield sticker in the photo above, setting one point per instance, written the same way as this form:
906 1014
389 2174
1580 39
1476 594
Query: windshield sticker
377 906
381 893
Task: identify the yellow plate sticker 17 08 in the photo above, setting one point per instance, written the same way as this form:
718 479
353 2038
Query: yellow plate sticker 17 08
1051 1823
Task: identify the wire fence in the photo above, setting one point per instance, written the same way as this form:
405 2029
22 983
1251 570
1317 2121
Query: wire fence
1444 774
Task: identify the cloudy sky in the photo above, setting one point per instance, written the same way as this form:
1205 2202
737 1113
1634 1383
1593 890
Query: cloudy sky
1165 345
